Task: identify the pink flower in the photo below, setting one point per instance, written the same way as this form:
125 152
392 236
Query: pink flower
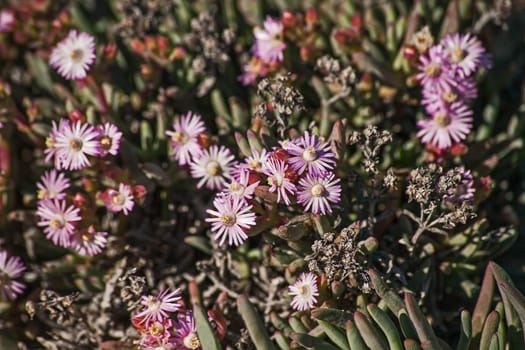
51 149
158 336
241 188
59 221
252 70
89 241
184 140
436 70
74 142
308 153
230 219
213 167
446 126
466 53
7 20
121 200
10 269
158 308
109 139
317 192
269 45
185 332
304 292
276 172
257 161
73 56
52 185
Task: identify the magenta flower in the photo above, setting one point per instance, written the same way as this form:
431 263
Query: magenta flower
119 201
446 126
213 167
74 142
158 336
317 192
10 269
269 44
109 139
7 20
435 69
231 217
276 172
252 70
57 220
466 53
240 187
89 241
304 292
184 139
52 185
73 56
185 332
435 100
158 308
308 153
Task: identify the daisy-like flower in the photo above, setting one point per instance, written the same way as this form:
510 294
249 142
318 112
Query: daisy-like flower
446 126
52 185
213 167
51 140
276 171
269 44
252 70
10 269
184 139
158 334
466 53
159 307
436 99
317 192
308 153
231 217
465 190
121 200
7 20
257 161
436 70
74 142
185 332
109 139
57 220
304 292
89 241
241 187
73 56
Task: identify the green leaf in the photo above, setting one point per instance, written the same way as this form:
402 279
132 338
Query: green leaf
354 338
254 324
489 329
333 316
334 334
372 337
205 331
387 326
466 331
310 342
424 330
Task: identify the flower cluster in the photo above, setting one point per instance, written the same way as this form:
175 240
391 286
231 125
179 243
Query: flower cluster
60 214
300 168
163 324
10 269
447 78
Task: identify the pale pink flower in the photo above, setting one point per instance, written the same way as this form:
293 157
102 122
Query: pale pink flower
257 161
89 241
7 20
51 149
240 187
308 153
466 53
304 292
213 167
10 269
121 200
57 220
276 172
74 142
52 185
184 139
436 71
73 56
109 139
269 41
158 308
231 217
318 192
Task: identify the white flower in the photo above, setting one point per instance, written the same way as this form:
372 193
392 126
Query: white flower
73 55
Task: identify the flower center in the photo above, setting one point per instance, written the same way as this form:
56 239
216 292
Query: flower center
85 237
58 222
156 329
276 180
105 142
228 220
191 341
317 190
253 164
117 199
457 55
235 186
433 69
76 55
449 96
153 303
75 144
179 137
50 142
310 154
43 194
442 120
213 168
304 290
